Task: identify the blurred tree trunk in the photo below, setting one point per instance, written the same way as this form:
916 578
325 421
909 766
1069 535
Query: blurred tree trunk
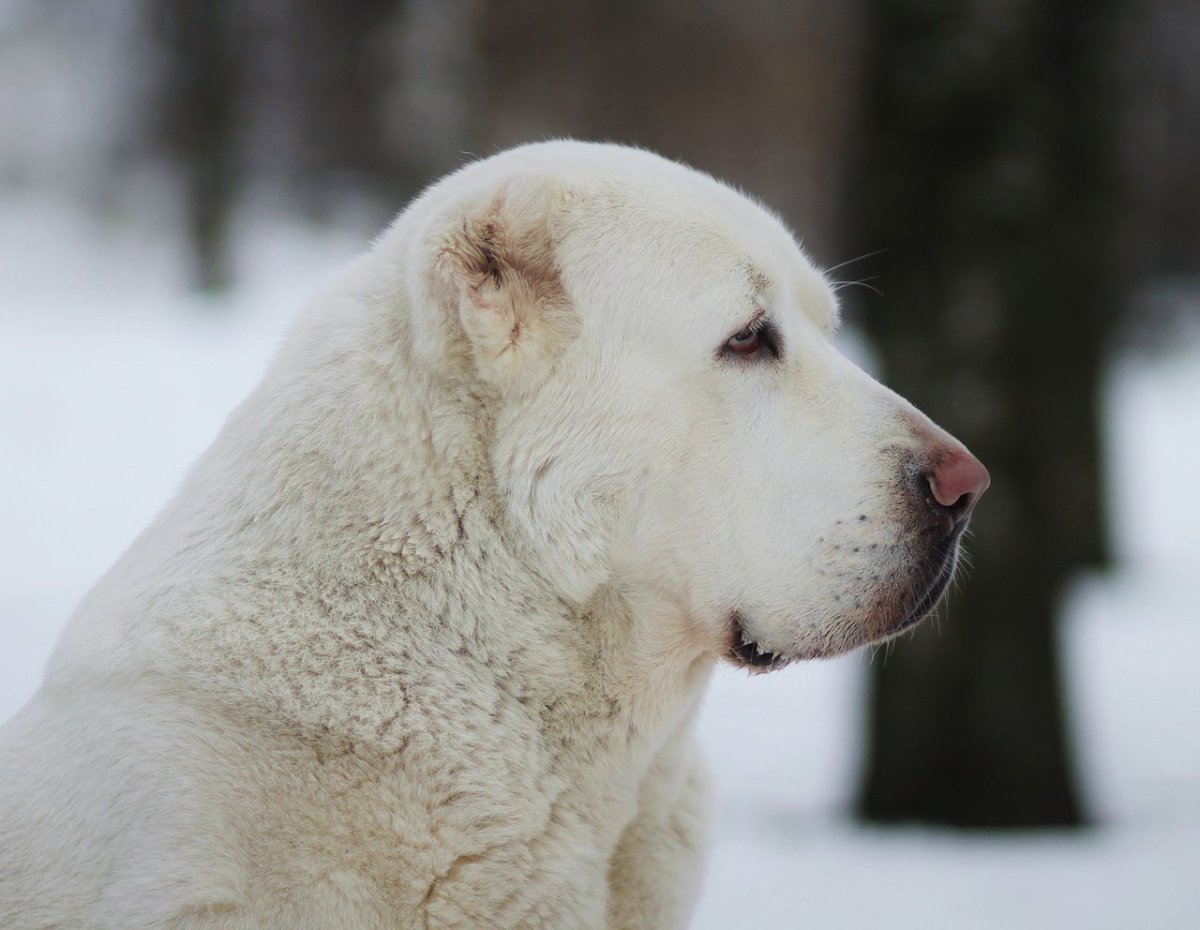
341 64
198 122
988 174
300 87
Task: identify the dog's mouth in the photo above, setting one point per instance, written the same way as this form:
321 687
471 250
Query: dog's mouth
938 568
945 558
748 654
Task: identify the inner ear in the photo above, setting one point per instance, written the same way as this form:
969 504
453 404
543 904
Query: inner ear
480 255
503 262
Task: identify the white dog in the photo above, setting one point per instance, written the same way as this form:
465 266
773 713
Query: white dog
420 640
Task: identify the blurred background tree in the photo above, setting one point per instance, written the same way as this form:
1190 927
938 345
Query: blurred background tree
1028 173
202 91
990 176
1002 174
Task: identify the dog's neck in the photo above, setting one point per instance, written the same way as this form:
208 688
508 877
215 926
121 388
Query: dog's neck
343 536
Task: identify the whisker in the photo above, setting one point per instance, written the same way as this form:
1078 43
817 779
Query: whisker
851 261
842 285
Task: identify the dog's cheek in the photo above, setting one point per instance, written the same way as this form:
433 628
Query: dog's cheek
569 535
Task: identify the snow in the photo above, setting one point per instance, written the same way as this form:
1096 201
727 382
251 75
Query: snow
113 378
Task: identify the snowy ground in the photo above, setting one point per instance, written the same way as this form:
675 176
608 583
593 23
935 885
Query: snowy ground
112 378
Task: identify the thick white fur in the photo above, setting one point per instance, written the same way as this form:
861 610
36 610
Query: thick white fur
419 642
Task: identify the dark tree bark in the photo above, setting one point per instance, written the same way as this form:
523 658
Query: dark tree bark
341 71
299 87
988 176
198 122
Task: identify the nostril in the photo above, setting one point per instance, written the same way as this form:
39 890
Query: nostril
962 507
957 483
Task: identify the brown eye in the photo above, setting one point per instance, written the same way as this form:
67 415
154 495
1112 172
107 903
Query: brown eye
758 342
744 343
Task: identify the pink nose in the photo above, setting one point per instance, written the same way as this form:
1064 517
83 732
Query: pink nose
957 482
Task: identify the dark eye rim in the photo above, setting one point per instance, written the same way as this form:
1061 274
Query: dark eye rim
757 341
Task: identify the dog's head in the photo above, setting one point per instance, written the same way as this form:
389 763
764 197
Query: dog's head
670 419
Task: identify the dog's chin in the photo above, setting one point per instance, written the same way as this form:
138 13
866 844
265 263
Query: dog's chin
745 652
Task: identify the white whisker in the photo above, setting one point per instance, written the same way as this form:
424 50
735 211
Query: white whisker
862 282
851 261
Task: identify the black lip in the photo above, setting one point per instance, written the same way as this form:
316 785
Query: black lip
947 552
747 653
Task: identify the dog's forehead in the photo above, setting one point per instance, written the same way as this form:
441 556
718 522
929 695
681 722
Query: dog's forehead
792 282
779 275
635 217
710 241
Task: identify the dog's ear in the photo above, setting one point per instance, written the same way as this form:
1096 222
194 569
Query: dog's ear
501 262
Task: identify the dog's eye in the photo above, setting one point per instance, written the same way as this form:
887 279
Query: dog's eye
744 343
756 340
